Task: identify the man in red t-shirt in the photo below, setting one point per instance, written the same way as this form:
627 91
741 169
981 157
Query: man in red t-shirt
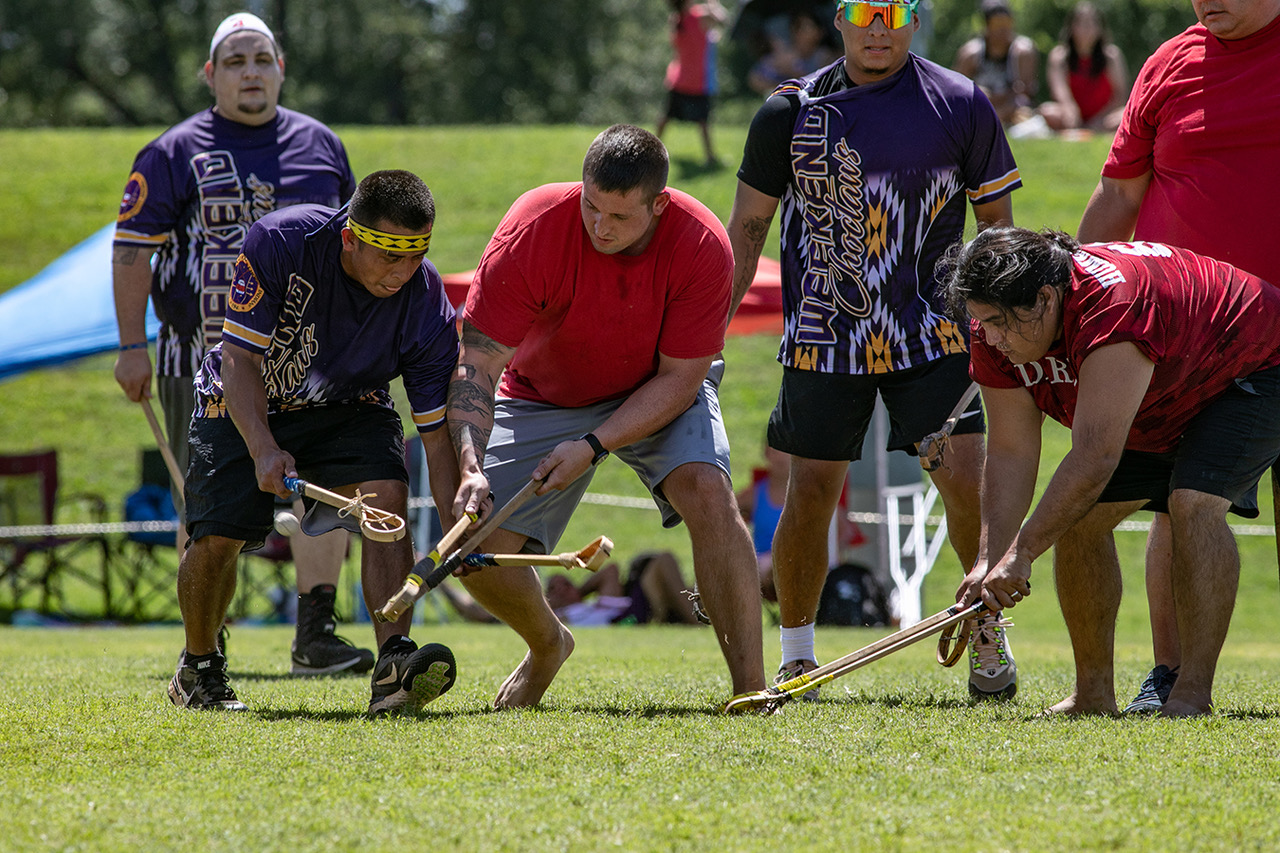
596 318
1166 366
1196 164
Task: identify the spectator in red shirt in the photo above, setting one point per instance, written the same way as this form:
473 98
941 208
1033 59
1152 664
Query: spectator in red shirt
1196 163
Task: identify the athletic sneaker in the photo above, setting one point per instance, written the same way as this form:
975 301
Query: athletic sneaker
992 671
317 650
795 669
407 677
1154 691
201 683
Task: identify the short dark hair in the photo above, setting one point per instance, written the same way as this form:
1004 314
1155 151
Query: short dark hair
991 8
625 157
1005 267
394 196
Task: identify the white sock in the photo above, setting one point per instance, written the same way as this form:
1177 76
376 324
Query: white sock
797 643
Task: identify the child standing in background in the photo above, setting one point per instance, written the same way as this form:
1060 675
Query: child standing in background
691 75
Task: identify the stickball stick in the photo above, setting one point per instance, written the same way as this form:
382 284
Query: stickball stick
590 558
376 524
428 573
165 450
779 694
934 445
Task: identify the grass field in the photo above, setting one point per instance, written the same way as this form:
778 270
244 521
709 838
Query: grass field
627 752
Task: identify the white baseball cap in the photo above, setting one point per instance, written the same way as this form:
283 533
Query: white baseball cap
236 23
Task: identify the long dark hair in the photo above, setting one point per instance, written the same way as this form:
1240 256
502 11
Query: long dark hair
1005 267
1098 56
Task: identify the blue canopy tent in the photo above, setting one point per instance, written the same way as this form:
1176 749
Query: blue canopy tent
65 312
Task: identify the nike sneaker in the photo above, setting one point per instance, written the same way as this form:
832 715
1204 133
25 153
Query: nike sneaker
201 684
1154 691
407 677
317 650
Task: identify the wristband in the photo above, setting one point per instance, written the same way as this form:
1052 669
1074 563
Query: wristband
127 347
596 447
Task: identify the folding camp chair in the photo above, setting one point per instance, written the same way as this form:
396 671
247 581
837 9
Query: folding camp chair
35 556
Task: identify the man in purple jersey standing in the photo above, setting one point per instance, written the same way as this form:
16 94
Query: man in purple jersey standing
875 160
192 195
325 308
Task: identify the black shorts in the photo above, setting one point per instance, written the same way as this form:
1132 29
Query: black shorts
826 415
681 107
332 445
1224 452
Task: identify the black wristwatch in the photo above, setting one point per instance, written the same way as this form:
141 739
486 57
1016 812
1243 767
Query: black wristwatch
596 447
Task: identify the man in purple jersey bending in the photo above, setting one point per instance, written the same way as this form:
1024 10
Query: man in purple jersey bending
191 197
326 307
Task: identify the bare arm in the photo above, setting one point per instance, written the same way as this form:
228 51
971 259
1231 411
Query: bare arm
650 407
1028 65
748 229
246 398
998 212
1112 211
1118 73
1008 477
470 413
1060 88
1112 383
131 286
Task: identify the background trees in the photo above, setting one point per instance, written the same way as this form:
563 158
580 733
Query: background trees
108 62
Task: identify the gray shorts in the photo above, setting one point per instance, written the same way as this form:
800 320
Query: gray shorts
177 402
524 433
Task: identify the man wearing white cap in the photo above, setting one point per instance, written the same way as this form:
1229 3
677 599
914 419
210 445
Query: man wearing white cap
191 196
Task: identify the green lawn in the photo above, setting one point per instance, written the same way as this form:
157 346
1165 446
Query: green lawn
627 752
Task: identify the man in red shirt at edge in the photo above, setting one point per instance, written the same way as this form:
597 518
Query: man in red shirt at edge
1196 164
596 318
1165 365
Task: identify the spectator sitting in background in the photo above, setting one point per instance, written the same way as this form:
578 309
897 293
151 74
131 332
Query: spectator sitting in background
807 50
1002 63
654 592
1087 77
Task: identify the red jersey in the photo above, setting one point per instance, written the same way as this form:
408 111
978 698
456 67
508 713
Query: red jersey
589 327
1204 324
1204 118
1091 92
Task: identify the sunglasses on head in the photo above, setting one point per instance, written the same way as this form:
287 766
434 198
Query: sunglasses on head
895 15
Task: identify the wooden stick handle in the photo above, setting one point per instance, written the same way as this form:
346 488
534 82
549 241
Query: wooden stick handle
311 490
905 637
166 451
430 572
377 524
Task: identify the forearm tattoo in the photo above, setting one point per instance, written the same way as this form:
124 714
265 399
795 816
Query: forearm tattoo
755 230
470 410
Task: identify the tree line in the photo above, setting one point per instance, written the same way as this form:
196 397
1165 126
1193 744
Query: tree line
138 62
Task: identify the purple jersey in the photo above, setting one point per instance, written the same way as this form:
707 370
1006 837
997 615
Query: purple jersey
874 181
194 192
324 338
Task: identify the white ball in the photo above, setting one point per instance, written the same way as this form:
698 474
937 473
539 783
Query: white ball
287 523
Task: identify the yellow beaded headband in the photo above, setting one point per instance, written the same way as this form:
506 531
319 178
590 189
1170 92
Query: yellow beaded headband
391 242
